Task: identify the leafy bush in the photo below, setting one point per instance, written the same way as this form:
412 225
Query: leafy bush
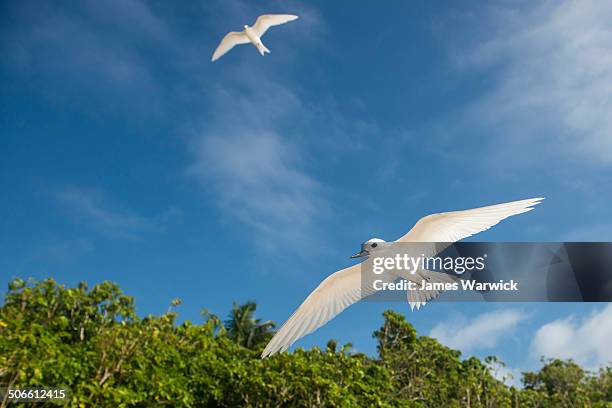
92 341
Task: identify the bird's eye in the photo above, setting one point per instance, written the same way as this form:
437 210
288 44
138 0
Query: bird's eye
374 245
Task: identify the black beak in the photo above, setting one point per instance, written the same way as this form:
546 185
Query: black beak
360 254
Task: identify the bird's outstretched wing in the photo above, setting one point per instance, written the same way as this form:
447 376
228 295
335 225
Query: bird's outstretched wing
337 292
268 20
453 226
228 42
457 225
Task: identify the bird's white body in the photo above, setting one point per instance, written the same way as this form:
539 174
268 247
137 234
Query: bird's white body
255 40
343 288
252 34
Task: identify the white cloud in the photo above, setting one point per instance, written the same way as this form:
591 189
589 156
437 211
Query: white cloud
254 157
482 332
585 340
90 206
257 178
510 376
552 80
255 167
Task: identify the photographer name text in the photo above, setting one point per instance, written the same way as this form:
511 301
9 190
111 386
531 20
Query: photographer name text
467 284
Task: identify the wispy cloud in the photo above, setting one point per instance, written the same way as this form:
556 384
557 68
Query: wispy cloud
94 209
60 251
481 332
508 375
586 340
551 80
100 46
257 178
256 167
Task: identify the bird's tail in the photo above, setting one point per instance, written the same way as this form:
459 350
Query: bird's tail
417 298
262 49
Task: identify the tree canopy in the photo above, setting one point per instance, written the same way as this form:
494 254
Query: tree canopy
92 341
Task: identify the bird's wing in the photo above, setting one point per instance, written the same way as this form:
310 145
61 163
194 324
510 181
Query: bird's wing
228 42
457 225
268 20
454 226
337 292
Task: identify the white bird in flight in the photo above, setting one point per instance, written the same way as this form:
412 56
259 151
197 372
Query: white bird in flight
343 288
252 34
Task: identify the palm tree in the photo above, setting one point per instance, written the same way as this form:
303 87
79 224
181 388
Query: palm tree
244 329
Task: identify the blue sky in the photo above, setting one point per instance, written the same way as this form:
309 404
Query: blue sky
126 155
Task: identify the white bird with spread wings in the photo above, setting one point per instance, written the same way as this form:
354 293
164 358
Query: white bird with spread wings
252 34
343 288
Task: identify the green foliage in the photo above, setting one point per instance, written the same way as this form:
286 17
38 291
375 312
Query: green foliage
429 374
244 329
566 384
91 340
